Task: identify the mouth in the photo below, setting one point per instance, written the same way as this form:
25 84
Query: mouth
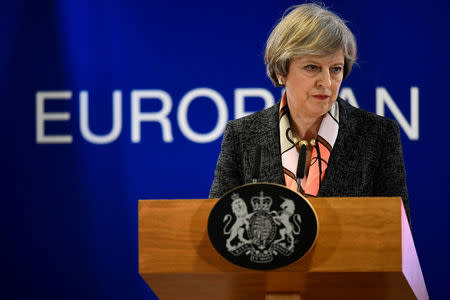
321 96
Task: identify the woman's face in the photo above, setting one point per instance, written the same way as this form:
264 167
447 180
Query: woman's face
312 84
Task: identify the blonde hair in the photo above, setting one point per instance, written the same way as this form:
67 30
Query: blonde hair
307 29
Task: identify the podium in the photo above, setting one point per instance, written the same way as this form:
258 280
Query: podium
364 250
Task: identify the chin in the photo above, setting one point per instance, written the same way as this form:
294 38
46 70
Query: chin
320 110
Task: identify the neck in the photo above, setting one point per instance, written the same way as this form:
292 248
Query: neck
306 128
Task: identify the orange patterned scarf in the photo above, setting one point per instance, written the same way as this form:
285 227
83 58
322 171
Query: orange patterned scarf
326 138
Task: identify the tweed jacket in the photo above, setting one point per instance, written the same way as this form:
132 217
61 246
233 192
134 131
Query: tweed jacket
366 160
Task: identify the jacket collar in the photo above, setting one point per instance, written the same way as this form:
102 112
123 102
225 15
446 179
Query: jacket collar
267 134
340 155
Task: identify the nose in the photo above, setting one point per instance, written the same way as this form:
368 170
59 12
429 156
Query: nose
324 79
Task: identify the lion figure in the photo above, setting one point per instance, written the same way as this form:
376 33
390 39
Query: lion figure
237 230
288 230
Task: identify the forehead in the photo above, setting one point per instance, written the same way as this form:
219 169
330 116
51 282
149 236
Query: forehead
331 59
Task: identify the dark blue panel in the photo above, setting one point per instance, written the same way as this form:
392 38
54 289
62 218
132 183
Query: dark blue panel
69 214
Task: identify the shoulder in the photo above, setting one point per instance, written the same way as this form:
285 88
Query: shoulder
257 120
363 122
259 127
251 128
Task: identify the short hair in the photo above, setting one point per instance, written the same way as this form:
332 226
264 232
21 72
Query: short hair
308 29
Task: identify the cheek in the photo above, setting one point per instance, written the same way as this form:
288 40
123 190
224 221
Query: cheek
336 86
298 92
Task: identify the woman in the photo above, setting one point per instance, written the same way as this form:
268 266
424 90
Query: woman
351 152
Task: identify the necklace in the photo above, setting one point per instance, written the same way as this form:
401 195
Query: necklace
299 144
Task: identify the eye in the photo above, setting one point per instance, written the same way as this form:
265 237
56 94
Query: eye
337 69
311 68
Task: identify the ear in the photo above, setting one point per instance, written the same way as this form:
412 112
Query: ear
280 79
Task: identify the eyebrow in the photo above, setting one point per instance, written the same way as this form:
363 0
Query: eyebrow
312 60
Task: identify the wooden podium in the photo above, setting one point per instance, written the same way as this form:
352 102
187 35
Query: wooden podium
364 251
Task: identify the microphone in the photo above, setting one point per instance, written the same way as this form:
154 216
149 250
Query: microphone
256 164
301 164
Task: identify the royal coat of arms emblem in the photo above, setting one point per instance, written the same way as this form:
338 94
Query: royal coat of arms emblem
262 226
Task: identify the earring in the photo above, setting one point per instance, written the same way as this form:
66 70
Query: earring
280 82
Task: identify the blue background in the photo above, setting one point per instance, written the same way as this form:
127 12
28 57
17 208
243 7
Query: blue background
69 211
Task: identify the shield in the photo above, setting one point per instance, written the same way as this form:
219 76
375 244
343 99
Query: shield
262 226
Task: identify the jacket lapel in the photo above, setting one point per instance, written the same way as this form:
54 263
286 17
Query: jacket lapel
340 156
268 136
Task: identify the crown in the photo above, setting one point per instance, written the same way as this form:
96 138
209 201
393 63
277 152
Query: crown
235 196
261 202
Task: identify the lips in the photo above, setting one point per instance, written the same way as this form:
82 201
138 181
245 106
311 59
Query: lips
321 97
